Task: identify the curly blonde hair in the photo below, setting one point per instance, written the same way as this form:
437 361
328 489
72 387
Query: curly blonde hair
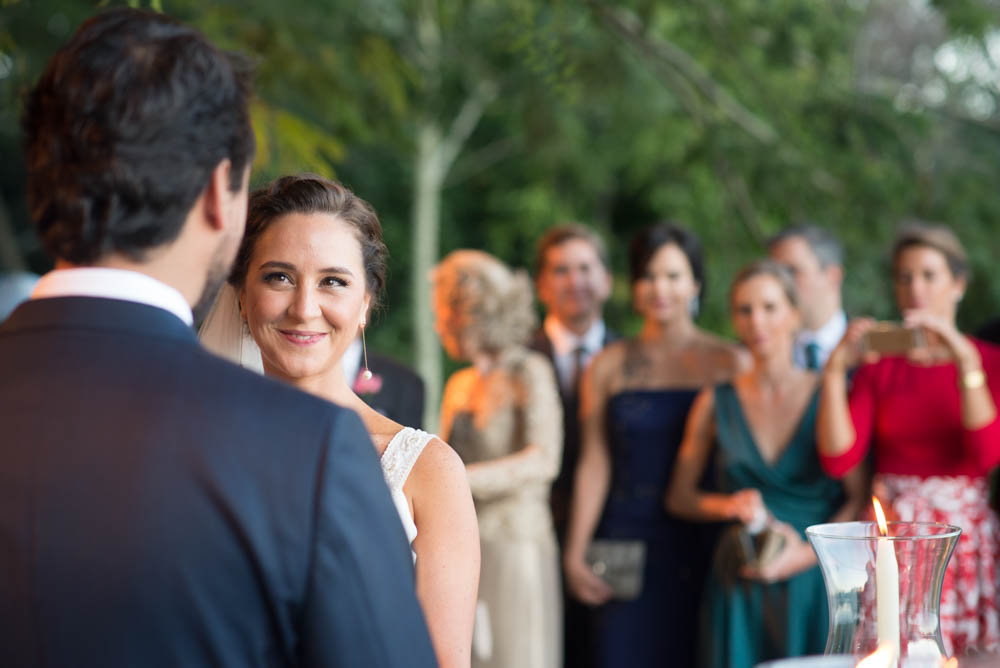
486 300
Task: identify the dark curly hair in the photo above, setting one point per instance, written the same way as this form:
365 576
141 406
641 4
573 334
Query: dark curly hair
310 193
123 131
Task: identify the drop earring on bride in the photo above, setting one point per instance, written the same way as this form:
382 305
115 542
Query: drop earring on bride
366 374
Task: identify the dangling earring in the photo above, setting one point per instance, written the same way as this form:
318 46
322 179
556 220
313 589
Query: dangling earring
366 374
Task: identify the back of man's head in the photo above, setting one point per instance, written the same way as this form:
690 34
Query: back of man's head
123 131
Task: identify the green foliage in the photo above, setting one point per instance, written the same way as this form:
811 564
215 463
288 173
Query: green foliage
734 118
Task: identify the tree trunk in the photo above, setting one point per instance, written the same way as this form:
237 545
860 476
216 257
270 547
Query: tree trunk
428 175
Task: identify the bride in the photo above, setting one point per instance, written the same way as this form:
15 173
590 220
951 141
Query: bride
309 270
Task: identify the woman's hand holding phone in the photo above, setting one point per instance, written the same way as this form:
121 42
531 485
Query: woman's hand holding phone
849 352
944 341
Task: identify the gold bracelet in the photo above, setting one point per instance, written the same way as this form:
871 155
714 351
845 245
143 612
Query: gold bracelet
970 380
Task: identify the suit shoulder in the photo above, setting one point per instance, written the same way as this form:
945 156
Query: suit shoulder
253 392
539 342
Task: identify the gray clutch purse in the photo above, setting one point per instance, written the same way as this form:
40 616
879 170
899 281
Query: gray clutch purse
620 564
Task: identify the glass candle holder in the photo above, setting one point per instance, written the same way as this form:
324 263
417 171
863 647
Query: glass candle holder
897 577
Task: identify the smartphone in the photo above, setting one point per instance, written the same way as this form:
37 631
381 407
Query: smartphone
889 338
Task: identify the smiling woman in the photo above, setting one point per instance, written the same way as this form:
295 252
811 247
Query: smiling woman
634 400
302 313
309 269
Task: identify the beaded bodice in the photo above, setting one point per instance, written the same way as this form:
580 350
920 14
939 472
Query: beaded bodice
397 462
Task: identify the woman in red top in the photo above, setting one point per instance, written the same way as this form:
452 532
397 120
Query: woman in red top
931 419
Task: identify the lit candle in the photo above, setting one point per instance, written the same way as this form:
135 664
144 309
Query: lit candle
886 587
880 658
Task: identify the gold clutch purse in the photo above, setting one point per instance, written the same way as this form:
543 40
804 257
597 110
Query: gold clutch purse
620 564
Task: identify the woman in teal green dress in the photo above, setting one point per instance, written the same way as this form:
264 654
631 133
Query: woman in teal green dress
762 429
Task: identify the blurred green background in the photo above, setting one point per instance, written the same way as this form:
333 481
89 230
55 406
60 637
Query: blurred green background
480 123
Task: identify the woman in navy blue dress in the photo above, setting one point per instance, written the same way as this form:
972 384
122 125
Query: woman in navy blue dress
634 403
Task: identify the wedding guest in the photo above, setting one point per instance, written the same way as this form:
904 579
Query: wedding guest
815 258
572 280
634 402
930 418
310 269
761 425
502 415
390 387
160 506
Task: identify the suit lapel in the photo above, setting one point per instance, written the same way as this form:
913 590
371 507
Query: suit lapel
541 342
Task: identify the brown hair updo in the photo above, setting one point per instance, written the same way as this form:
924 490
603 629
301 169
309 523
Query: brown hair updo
311 193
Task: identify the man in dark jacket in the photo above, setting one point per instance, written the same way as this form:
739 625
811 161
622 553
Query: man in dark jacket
159 506
572 280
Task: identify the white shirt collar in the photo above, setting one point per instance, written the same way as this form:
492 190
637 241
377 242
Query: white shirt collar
829 334
826 338
564 342
108 283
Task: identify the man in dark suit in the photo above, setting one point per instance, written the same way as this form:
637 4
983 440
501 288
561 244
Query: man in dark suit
572 280
816 259
394 390
159 506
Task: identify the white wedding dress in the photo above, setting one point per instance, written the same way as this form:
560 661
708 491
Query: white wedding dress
397 462
224 334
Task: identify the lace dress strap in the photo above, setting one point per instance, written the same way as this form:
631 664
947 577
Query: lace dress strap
401 454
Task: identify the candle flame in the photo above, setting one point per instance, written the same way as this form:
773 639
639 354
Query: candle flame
880 517
950 663
883 657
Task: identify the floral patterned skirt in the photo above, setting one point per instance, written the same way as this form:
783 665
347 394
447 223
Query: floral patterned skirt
970 619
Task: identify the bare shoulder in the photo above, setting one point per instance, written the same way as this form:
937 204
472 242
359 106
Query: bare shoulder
464 375
380 428
611 357
704 402
724 358
700 422
438 473
460 381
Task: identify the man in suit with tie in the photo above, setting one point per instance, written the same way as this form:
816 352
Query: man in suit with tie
159 506
573 281
815 259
